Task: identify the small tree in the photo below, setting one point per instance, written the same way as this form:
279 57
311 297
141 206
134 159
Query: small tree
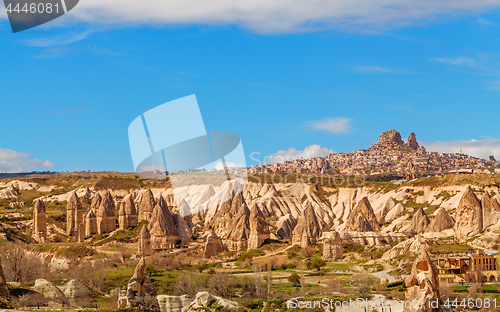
294 278
317 264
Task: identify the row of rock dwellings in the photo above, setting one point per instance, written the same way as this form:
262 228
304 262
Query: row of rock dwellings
242 228
100 218
473 216
127 213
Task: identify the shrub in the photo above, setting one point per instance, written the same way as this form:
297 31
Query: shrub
294 278
317 263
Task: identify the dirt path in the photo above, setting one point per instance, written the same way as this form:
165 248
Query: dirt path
486 251
273 253
385 274
180 250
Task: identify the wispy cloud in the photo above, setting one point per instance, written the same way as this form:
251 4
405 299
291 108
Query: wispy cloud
13 161
378 70
477 148
278 16
70 110
484 22
313 150
337 125
58 41
260 85
460 60
102 51
494 85
51 53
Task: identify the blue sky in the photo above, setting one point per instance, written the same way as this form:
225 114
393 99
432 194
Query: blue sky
70 89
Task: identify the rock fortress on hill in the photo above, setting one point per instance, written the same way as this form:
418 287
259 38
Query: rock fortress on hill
391 155
114 240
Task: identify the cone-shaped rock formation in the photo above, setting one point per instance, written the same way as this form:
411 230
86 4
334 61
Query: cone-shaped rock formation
307 231
442 221
469 217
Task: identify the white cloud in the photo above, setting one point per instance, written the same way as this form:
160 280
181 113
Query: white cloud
275 16
337 125
494 85
376 70
313 150
477 148
462 61
12 161
57 41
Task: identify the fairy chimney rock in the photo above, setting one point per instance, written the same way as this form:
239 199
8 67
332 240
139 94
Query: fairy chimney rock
127 214
90 223
332 247
491 210
146 206
419 222
144 242
239 230
213 245
74 215
422 285
163 229
361 216
39 222
469 216
140 290
307 231
259 229
442 221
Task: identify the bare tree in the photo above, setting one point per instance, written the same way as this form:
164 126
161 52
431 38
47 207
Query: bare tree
308 252
21 265
190 283
91 274
269 283
31 299
259 283
222 284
